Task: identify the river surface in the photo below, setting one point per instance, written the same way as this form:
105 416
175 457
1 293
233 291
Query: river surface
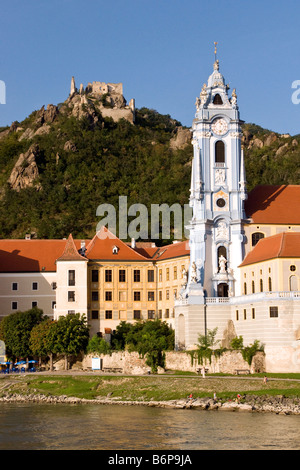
33 426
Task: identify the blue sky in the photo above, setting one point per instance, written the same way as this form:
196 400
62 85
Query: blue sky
161 50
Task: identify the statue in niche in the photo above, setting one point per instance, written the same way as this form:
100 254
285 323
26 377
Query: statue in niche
222 264
197 104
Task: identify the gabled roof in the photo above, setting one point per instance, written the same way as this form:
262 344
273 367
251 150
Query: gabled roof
102 245
274 205
282 245
70 252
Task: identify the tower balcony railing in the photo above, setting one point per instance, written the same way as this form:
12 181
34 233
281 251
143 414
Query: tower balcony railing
278 295
217 300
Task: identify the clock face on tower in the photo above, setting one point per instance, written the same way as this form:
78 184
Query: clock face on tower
219 126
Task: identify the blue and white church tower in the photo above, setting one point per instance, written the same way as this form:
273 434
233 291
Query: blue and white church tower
217 195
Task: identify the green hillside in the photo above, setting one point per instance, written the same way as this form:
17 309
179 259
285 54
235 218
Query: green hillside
57 167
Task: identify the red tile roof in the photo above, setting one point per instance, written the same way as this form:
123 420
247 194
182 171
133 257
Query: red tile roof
70 252
274 205
101 248
172 251
282 245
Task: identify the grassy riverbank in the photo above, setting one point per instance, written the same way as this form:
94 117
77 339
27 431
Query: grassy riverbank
147 388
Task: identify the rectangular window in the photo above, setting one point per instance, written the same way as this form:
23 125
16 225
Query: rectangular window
108 296
151 314
245 314
53 304
14 286
253 313
150 296
71 312
54 285
167 294
136 275
273 312
95 296
71 296
95 315
136 314
237 315
150 275
108 314
122 296
71 274
108 275
160 314
34 304
137 296
167 274
160 295
160 275
95 275
122 275
167 313
34 286
14 305
175 272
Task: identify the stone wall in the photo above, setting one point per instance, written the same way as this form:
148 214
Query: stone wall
131 363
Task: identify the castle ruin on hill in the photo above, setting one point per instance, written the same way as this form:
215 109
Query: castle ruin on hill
109 98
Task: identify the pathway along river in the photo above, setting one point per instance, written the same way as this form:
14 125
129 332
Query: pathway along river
33 426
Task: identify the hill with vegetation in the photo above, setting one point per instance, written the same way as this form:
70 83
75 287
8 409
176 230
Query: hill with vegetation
60 163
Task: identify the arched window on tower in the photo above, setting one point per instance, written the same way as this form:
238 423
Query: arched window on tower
219 152
217 99
256 236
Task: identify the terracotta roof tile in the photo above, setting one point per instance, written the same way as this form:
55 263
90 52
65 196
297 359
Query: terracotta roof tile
274 205
70 252
172 251
102 245
282 245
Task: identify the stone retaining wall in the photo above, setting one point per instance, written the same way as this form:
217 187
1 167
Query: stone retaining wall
132 363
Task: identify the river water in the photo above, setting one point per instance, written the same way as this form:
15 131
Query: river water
109 427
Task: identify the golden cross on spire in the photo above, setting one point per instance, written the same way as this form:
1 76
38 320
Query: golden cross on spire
215 43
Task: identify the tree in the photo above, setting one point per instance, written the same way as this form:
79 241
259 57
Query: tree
42 339
15 330
98 345
208 340
71 335
206 345
118 339
151 339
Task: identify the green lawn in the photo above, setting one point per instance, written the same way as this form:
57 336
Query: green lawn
153 387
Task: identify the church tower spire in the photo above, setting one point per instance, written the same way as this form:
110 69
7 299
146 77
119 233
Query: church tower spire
217 192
